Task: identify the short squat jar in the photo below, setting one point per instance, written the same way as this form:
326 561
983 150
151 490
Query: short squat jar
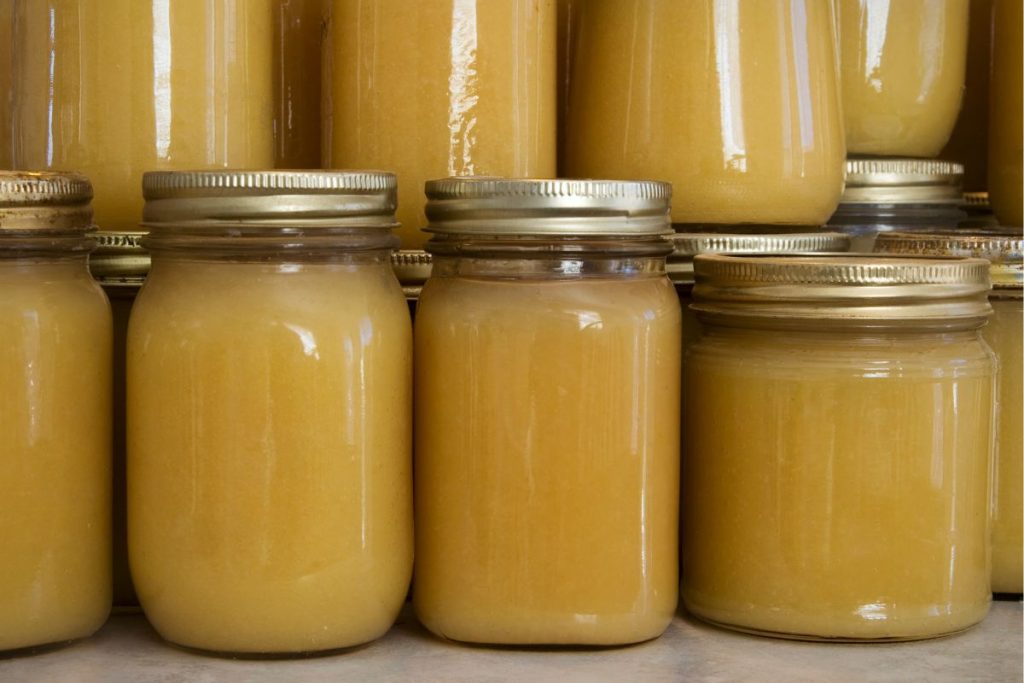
547 423
269 412
55 356
838 414
1005 334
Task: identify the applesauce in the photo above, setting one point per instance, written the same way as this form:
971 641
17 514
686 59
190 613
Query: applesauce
737 104
1006 149
440 87
903 66
269 413
299 25
837 419
55 350
112 88
547 414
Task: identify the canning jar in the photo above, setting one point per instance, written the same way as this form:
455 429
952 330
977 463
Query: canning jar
440 87
269 412
838 413
112 88
299 25
1004 332
547 414
908 195
902 72
736 103
55 351
1006 149
120 263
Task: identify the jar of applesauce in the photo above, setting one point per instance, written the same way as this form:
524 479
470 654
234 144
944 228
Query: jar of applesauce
120 265
1004 332
55 351
112 88
547 414
838 413
440 87
299 25
736 103
1006 109
903 67
269 412
907 195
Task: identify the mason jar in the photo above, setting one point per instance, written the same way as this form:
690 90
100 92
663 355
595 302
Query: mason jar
1005 334
547 414
838 417
55 382
269 412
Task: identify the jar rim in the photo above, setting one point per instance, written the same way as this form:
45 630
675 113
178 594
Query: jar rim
896 181
1002 248
687 245
45 202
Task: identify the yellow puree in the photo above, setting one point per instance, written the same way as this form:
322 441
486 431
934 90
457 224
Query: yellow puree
1004 333
142 85
1006 138
439 88
269 429
736 103
547 461
55 356
903 64
297 72
835 486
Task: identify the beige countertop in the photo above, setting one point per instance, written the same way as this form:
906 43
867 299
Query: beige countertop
127 649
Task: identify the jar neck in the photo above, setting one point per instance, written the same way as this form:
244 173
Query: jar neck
821 336
43 246
243 242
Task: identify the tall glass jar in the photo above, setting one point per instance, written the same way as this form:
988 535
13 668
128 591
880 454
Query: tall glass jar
1005 334
55 353
547 414
903 66
113 88
838 416
1006 112
736 103
120 265
269 412
299 25
440 87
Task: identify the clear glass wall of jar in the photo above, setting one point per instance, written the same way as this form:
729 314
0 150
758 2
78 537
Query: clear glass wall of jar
736 103
269 412
1005 334
55 377
112 88
838 416
547 414
1006 112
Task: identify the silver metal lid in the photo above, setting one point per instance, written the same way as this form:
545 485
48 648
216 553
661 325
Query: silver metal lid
1003 248
411 266
533 207
689 244
119 259
45 202
902 181
306 199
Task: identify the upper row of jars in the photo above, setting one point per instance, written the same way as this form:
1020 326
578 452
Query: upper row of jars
739 103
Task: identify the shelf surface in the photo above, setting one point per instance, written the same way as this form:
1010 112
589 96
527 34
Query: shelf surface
127 649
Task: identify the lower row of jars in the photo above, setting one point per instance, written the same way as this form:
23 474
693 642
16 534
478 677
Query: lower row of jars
837 415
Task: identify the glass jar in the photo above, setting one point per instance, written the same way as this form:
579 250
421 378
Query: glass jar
55 351
1005 334
547 414
1006 140
440 87
903 67
299 26
906 195
112 88
838 413
736 103
269 412
688 244
120 265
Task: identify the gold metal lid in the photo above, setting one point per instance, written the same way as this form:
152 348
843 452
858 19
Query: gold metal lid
1003 248
302 199
533 207
119 258
689 244
412 266
45 202
976 201
902 181
851 289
